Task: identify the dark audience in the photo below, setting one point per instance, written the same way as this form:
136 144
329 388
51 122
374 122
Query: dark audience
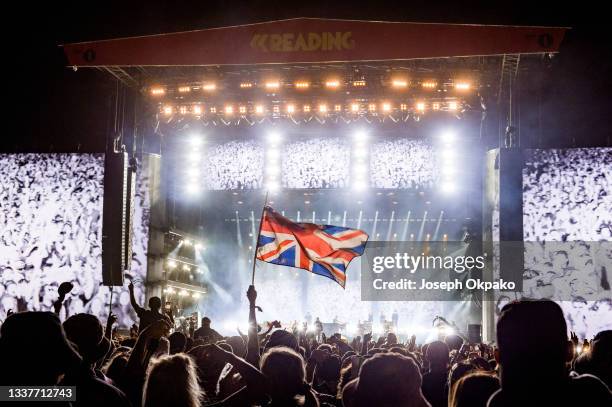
537 364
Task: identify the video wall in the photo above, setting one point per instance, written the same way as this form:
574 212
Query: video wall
50 232
567 223
317 163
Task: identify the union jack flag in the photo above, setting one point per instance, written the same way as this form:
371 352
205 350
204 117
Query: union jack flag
321 249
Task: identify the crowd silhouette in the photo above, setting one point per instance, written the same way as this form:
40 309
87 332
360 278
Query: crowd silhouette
533 363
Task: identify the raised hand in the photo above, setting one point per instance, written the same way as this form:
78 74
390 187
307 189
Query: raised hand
251 295
574 338
412 343
131 286
367 337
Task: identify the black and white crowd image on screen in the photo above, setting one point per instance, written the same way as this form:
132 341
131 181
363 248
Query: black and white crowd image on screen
567 221
234 165
51 219
316 163
403 163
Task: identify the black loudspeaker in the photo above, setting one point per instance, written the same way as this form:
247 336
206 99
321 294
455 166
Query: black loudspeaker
503 214
115 218
512 249
129 229
474 333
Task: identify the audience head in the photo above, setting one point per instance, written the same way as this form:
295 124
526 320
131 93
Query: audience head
171 381
282 338
286 374
533 345
178 342
458 370
473 390
86 332
437 355
35 347
205 322
388 380
155 303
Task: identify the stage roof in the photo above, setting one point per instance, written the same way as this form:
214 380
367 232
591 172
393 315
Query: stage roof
312 40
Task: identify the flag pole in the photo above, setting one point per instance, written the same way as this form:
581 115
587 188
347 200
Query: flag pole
263 210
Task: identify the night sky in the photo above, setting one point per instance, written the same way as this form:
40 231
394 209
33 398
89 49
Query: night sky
57 109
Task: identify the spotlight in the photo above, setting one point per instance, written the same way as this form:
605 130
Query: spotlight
171 264
196 140
322 108
361 152
420 106
199 246
209 87
186 267
168 110
337 108
242 109
193 188
452 106
259 109
193 156
359 185
354 107
359 83
446 330
332 84
448 187
183 110
306 108
158 91
386 107
447 170
184 89
273 155
197 110
290 108
187 242
372 107
447 154
360 169
429 85
193 173
448 136
351 329
403 107
302 85
462 86
274 137
435 106
399 83
272 185
183 293
195 295
229 109
272 85
360 135
246 85
272 170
